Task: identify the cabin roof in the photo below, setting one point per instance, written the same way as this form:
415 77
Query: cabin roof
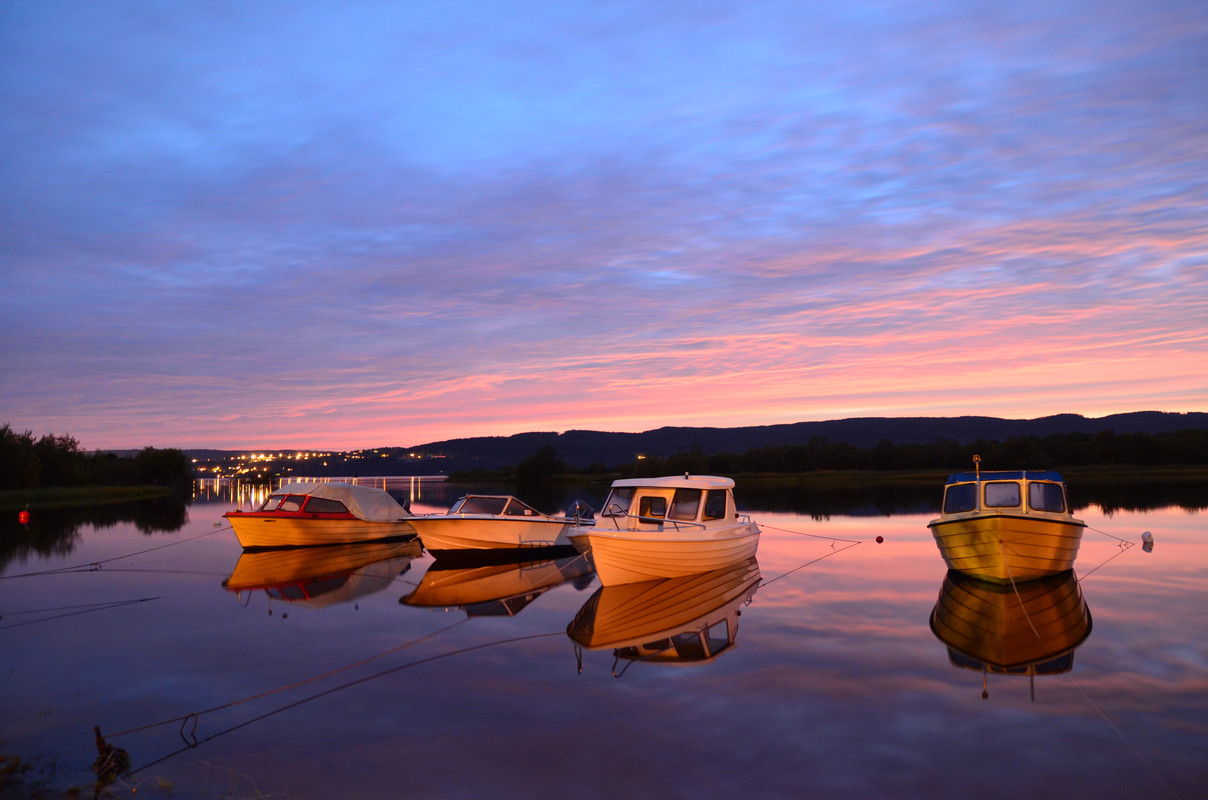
1018 475
679 482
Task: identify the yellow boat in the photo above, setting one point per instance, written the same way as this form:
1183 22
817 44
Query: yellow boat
1007 526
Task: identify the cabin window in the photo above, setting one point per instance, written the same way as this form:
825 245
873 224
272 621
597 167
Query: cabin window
960 497
293 503
652 507
685 504
715 504
1046 497
271 503
689 645
617 504
1002 494
321 505
718 636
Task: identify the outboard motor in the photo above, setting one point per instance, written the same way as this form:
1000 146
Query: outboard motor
580 510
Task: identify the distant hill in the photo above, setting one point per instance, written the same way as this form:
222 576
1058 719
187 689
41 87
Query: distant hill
584 448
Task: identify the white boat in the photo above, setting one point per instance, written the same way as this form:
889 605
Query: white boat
477 523
1007 526
302 514
669 527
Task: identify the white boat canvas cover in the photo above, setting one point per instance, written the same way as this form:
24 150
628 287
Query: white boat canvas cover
365 502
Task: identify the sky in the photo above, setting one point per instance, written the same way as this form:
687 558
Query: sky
360 224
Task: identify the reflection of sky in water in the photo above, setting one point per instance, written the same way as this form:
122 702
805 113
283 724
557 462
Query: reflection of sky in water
837 685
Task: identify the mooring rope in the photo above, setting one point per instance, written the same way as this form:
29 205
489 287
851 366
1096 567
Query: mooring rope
1110 535
333 690
95 566
811 535
197 714
71 611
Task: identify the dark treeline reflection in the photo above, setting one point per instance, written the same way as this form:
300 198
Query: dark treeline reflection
864 498
1122 494
55 531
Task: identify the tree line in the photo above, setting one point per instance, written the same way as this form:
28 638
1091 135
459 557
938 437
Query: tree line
1055 451
27 462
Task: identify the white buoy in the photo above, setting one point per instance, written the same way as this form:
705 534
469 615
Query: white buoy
1147 542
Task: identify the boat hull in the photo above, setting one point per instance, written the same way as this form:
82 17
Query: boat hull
627 556
444 535
1005 548
265 531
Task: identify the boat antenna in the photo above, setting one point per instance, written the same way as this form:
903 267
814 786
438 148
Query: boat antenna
977 466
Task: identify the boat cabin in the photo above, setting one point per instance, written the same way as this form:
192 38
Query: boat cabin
1021 492
310 505
693 501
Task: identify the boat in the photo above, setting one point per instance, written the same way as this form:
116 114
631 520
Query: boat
1007 526
303 514
323 576
667 527
479 523
493 588
686 620
1029 629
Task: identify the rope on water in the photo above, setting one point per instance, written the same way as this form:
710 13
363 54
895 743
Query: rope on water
196 714
1110 536
71 611
192 741
811 535
96 566
833 552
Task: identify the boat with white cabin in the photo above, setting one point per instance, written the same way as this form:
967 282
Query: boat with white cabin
304 514
667 527
1007 526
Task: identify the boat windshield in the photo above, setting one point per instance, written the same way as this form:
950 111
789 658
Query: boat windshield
272 502
960 497
715 504
685 503
1046 497
617 504
472 504
1002 494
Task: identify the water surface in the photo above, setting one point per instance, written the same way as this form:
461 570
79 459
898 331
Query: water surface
336 681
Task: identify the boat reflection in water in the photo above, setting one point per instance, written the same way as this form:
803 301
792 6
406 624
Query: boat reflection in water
323 575
494 587
686 620
1028 629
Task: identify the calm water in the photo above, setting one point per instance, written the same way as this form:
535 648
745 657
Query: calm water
836 685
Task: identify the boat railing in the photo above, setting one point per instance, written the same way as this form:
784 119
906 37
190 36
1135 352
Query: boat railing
615 513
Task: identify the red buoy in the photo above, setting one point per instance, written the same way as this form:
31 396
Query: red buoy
880 539
23 517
